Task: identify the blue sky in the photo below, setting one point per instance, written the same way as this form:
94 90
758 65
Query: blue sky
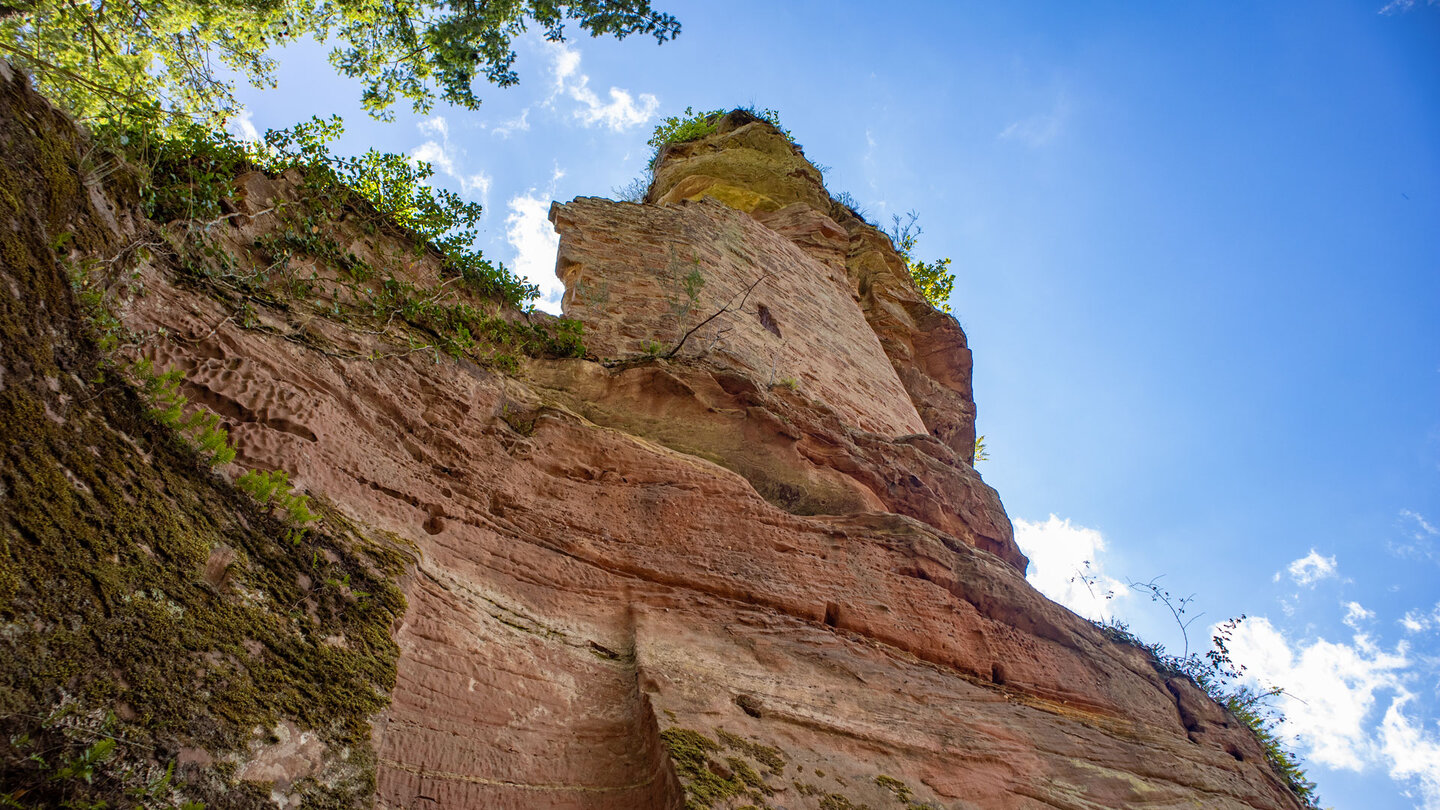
1198 259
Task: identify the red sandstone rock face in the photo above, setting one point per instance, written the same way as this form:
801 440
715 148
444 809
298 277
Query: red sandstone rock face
629 272
670 584
749 165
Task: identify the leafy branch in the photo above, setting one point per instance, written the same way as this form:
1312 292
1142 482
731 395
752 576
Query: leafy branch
100 57
933 279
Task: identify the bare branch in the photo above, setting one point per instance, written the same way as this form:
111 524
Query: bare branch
744 296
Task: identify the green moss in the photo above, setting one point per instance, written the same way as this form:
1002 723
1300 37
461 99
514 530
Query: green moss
900 789
772 758
747 775
692 126
146 601
690 754
106 561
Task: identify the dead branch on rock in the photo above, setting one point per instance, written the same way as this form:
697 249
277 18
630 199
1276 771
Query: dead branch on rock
729 306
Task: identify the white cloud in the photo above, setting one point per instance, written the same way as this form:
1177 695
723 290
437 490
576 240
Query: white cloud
623 111
1402 6
1423 528
874 175
436 126
1416 621
1038 130
1421 536
528 230
1312 568
520 123
1355 613
242 126
435 154
566 63
478 184
1413 753
1065 565
1330 689
444 157
1333 694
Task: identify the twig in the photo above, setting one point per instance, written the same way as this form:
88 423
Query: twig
133 246
209 334
721 311
1158 594
216 221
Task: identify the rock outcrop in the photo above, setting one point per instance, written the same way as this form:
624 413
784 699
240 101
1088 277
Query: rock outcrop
752 568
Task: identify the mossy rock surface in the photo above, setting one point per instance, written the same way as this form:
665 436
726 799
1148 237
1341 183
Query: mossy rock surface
755 158
146 606
698 187
724 771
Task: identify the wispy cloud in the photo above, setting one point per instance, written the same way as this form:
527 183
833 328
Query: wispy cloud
1421 537
529 232
1330 688
1417 621
445 157
1065 565
520 123
1041 129
1312 568
623 110
1413 753
1422 528
1402 6
1356 614
870 162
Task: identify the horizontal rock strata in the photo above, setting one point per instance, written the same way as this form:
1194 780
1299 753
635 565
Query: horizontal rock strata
649 582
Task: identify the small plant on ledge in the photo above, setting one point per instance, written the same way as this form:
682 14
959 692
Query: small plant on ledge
933 279
1218 675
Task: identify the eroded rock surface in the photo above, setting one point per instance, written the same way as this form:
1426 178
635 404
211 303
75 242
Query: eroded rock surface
648 277
681 582
750 166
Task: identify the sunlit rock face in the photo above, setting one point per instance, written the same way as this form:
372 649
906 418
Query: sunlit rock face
753 567
642 278
749 165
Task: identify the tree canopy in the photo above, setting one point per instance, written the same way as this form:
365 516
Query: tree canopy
97 57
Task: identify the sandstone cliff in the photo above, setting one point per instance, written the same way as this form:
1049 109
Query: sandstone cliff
755 568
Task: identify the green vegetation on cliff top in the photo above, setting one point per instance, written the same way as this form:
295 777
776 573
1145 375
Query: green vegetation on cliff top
933 280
